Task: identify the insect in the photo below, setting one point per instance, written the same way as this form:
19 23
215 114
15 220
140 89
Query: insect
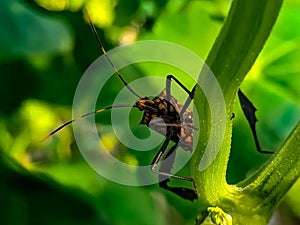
163 114
174 121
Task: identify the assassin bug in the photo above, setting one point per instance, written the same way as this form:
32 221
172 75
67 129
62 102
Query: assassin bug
177 124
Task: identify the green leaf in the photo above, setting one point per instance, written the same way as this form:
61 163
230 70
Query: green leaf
26 32
36 199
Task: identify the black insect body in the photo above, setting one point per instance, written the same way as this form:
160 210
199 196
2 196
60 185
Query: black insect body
169 117
172 122
164 116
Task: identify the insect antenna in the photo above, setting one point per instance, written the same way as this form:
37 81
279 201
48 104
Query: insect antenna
116 71
106 56
85 115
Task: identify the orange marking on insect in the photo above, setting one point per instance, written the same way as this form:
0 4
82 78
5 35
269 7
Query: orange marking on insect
163 93
188 139
161 106
182 133
153 115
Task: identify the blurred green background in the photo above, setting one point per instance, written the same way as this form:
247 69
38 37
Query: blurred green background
45 47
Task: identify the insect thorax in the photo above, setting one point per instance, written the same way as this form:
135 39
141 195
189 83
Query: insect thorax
164 118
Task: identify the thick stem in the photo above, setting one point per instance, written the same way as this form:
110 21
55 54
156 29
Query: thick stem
241 39
279 174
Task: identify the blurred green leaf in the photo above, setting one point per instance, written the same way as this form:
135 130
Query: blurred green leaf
124 11
36 199
26 32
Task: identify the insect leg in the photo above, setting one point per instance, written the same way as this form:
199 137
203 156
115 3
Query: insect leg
168 85
168 91
249 111
164 171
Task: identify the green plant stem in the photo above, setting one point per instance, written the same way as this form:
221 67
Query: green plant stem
241 39
279 173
